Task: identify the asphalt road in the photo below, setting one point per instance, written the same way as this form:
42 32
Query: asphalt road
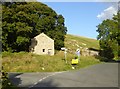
100 75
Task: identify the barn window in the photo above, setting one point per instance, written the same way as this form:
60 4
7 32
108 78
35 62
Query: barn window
43 50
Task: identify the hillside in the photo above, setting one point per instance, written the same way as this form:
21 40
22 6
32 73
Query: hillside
28 62
73 42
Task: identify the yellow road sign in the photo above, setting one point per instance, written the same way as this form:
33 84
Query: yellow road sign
74 61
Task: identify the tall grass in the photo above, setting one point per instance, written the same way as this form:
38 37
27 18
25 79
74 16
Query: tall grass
28 62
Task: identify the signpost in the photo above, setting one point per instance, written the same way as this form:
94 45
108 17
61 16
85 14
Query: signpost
65 53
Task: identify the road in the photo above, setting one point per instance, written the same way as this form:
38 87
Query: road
100 75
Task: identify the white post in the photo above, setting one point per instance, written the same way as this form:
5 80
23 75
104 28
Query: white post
78 53
65 53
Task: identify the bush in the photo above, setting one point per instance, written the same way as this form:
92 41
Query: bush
106 55
6 54
6 84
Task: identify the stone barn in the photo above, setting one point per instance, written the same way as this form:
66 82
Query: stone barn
42 44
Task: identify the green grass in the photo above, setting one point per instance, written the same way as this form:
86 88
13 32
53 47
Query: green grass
28 62
71 41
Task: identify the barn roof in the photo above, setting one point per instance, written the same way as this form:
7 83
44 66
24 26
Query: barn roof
44 35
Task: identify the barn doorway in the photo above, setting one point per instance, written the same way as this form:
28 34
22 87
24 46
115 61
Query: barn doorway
49 51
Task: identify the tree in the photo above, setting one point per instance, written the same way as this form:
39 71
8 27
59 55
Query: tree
109 36
24 20
0 28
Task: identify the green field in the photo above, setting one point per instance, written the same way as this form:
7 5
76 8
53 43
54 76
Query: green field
28 62
72 41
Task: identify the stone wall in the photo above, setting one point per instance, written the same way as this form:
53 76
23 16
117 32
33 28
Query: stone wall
42 44
87 52
84 52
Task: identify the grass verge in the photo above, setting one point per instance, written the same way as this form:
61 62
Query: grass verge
28 62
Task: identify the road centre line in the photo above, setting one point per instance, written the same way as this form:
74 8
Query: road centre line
44 79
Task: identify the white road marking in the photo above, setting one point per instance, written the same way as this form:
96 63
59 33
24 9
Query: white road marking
18 76
44 79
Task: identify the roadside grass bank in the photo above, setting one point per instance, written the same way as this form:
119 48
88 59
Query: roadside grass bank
28 62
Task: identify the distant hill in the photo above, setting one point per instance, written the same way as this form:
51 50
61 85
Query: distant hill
73 42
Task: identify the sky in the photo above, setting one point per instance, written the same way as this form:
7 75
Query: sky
81 18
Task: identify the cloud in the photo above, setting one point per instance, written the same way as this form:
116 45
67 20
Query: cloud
108 13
